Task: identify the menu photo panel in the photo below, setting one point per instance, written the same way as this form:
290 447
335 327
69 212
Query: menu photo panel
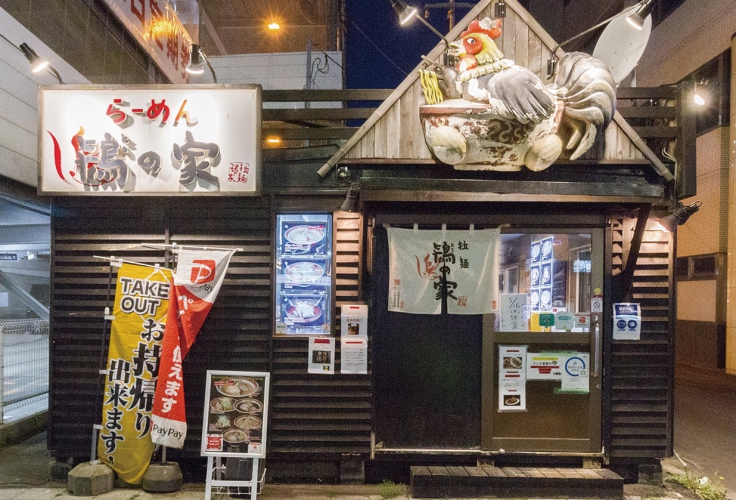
235 414
304 274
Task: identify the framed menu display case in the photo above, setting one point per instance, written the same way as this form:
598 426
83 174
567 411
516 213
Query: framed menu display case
303 274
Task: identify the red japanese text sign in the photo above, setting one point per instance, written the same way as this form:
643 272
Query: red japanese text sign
158 29
146 139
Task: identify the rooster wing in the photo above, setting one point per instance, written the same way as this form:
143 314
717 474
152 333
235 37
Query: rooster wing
520 94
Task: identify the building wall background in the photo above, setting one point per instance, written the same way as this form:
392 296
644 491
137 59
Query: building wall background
89 37
19 99
694 34
277 71
706 232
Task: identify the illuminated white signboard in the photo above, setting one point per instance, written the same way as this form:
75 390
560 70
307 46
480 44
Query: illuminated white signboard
197 139
157 28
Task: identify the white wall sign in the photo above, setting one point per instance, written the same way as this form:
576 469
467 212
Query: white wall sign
626 321
156 27
150 139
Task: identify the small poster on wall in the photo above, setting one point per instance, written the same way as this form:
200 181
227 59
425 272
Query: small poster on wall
354 356
512 378
321 355
626 321
354 321
235 414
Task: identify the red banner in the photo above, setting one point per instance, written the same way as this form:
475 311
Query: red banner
197 281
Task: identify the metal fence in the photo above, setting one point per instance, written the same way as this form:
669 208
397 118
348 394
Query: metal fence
24 364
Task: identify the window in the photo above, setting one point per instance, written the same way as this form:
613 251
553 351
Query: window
697 267
550 272
303 274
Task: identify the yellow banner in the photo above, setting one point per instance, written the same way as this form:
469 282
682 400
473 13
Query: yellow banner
141 304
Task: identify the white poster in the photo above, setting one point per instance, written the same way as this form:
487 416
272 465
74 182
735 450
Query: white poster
626 321
512 378
544 365
321 355
354 321
150 139
575 374
354 356
512 318
426 265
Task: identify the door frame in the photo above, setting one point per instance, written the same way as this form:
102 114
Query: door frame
594 339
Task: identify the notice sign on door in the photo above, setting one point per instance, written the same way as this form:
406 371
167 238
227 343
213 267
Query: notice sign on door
626 321
544 365
575 375
512 378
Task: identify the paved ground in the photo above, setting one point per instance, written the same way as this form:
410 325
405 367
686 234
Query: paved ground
705 440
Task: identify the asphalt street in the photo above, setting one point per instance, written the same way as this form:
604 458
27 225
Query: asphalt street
705 431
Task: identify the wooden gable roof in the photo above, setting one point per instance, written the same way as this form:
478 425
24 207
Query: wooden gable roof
393 133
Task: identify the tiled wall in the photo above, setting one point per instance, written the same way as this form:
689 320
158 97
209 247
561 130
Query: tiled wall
706 231
87 36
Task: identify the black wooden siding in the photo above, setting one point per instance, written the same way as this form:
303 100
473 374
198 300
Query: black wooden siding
319 415
324 414
309 413
642 371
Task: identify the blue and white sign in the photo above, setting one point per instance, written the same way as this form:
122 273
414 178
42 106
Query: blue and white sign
575 375
626 321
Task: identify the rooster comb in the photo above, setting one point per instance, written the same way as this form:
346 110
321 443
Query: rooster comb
486 26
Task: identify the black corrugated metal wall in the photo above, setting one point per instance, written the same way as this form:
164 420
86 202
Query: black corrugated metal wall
313 418
642 371
328 415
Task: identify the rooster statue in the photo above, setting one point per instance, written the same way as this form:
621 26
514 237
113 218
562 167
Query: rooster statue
495 115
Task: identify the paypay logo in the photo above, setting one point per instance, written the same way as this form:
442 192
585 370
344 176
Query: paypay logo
203 271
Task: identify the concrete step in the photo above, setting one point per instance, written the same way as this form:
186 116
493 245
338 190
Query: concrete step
514 482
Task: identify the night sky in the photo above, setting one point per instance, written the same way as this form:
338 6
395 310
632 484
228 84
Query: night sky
380 53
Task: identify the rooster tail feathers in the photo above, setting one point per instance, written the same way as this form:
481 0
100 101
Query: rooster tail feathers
588 90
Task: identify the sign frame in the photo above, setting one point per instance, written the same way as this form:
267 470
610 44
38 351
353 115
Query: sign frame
47 157
264 397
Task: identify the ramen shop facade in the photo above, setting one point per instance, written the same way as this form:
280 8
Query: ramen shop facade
368 375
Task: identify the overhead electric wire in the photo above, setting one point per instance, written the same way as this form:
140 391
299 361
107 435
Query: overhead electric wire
378 48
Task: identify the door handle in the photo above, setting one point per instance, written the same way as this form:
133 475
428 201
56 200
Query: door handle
596 350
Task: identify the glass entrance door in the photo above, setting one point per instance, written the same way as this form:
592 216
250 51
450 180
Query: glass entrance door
541 366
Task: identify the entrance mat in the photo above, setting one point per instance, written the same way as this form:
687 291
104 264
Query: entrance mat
514 482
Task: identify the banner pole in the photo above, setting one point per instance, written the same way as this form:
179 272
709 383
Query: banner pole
163 454
102 364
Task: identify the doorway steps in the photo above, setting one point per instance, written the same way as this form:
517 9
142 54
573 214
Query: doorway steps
514 482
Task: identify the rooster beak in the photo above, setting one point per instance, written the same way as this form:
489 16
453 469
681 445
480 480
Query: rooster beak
456 49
